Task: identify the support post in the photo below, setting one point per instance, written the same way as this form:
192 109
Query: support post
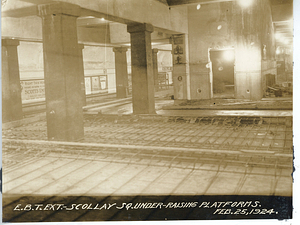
155 68
81 71
248 51
121 72
181 69
142 68
62 71
11 87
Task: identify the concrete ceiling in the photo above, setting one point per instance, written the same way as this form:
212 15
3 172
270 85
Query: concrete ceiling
282 15
185 2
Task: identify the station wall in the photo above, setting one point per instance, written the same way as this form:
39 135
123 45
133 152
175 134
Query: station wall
268 46
99 69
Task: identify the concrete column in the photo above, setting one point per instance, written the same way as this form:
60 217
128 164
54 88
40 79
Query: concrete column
155 68
248 77
81 71
142 69
121 72
62 71
248 51
11 88
181 70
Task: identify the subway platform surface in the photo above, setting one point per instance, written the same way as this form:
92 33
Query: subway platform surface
173 153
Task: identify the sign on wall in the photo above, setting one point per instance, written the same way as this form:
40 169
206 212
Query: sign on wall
88 87
103 82
95 84
32 89
178 49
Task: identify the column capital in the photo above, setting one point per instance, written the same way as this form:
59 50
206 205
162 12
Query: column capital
59 8
141 27
154 50
10 42
120 49
80 46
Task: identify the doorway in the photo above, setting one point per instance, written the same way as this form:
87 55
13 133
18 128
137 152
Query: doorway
222 63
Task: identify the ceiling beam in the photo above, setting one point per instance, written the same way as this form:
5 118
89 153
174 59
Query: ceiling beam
186 2
38 1
282 12
163 1
82 22
21 12
279 2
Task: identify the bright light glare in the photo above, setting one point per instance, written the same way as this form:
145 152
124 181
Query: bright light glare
198 6
278 36
245 3
246 58
278 51
228 55
281 38
219 27
291 24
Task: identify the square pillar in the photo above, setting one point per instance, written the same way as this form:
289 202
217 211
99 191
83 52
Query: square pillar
62 71
142 68
248 51
181 69
155 68
81 73
121 72
11 87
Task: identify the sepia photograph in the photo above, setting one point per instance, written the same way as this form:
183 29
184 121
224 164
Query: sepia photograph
147 110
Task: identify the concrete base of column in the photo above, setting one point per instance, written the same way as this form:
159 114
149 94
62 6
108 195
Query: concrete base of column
11 88
249 85
122 92
180 81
